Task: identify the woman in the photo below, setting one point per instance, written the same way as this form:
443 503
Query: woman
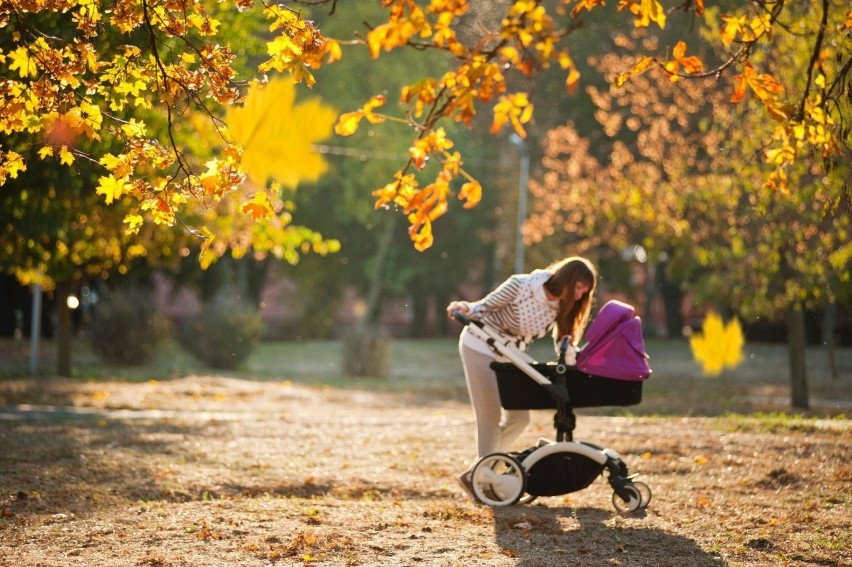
523 308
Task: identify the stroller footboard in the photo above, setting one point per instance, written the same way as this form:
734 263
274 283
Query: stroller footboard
518 391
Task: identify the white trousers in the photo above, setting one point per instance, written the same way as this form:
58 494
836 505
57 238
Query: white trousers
496 428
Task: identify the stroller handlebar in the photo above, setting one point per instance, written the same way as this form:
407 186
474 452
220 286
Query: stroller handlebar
464 319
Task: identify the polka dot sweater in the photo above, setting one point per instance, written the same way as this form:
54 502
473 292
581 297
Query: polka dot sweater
518 308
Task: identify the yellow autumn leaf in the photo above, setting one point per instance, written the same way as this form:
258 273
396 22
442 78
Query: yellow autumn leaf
648 11
719 346
14 164
206 256
65 156
733 25
112 188
379 37
348 123
734 342
21 60
372 104
515 109
134 128
118 166
278 134
134 222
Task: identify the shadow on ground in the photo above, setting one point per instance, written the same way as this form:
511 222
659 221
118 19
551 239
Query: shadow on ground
541 535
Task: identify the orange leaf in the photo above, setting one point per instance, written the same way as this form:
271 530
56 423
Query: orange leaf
259 207
587 5
572 81
692 64
642 65
740 82
765 86
423 238
471 193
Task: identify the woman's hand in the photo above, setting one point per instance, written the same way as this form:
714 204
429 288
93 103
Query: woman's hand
462 307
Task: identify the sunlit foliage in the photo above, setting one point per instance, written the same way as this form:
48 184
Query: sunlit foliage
114 60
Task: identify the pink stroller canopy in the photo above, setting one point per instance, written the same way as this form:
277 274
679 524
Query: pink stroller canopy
615 347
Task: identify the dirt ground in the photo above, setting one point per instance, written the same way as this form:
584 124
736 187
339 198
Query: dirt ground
220 471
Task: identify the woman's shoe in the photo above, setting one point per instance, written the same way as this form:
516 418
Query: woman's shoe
466 483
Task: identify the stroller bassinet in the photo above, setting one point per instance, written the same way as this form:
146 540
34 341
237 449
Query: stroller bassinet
564 466
584 390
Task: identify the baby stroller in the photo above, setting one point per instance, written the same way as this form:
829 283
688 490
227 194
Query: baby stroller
609 371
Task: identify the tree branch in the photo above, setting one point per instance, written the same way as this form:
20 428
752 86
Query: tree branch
800 111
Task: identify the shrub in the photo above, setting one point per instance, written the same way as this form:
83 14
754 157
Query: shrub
366 351
127 329
223 335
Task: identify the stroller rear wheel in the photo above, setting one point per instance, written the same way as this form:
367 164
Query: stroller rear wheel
498 479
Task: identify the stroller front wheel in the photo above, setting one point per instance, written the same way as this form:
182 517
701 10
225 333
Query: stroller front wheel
633 501
644 493
498 479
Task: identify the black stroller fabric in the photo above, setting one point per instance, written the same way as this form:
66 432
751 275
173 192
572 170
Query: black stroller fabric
519 391
562 473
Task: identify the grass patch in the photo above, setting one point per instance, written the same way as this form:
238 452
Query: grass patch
781 422
430 369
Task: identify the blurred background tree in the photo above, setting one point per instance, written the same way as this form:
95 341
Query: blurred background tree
679 174
142 93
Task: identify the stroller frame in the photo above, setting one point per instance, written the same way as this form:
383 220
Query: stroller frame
549 468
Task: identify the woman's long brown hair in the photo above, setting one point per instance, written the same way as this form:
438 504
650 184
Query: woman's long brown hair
572 317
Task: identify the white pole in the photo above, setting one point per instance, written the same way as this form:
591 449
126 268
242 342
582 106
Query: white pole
523 181
35 329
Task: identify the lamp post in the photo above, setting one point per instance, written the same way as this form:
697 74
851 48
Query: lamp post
523 180
35 329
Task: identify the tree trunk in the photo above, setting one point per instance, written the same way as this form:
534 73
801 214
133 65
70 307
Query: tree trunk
796 343
374 294
419 312
829 324
442 299
366 346
64 331
672 302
